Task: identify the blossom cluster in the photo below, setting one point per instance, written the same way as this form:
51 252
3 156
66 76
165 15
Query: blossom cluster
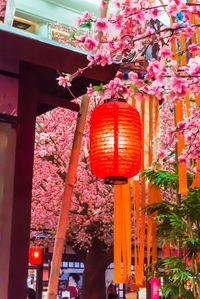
130 27
92 201
3 4
189 128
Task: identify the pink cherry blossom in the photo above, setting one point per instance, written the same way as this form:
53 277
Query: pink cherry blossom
194 66
181 125
182 159
172 8
92 200
161 153
165 52
101 24
90 44
154 13
179 85
102 58
194 48
64 81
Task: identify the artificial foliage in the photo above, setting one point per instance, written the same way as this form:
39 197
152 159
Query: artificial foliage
178 222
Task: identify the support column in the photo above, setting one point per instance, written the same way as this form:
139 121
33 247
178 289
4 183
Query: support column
21 210
7 164
39 280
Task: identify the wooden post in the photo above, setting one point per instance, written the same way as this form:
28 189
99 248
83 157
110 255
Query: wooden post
39 280
21 207
103 14
7 162
104 10
64 213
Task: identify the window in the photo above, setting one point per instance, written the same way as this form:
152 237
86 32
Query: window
25 25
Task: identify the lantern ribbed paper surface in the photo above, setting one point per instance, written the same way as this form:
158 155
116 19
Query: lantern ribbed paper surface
35 255
115 140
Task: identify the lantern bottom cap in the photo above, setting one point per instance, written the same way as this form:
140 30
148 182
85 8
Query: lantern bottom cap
116 180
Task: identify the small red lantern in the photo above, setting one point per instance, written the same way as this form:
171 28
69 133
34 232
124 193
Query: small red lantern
35 255
115 142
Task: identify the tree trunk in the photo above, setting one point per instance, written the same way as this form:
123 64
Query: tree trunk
96 264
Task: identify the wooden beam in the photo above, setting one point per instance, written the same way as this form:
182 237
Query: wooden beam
51 54
54 101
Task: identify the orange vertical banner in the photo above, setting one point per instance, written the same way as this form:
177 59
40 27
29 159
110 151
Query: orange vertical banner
136 199
196 181
150 225
193 38
150 130
142 234
183 49
117 233
182 171
150 197
157 197
184 62
197 100
126 195
133 102
143 204
197 97
156 113
167 249
122 233
187 102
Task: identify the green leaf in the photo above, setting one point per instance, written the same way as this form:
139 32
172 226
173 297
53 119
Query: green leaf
161 178
98 87
134 88
87 24
146 80
66 74
165 179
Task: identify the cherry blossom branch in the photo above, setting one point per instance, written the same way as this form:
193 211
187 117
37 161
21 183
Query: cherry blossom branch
72 94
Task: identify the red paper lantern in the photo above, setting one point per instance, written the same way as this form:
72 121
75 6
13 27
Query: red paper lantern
115 142
35 255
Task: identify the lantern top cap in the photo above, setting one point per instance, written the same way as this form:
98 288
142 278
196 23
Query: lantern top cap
115 100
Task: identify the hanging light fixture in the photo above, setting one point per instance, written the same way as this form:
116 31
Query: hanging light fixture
115 141
35 255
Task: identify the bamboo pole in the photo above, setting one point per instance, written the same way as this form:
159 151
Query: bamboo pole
104 10
64 213
103 14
